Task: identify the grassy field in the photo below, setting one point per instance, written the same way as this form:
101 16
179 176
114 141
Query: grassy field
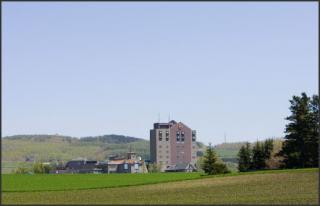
49 182
266 187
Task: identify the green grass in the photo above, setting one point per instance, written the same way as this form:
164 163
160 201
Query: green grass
48 182
265 187
55 182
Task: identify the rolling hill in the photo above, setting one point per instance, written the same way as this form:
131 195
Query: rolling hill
48 147
24 149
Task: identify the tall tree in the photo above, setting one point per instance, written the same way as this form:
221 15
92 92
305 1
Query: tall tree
244 157
258 156
267 149
211 165
209 160
300 148
312 140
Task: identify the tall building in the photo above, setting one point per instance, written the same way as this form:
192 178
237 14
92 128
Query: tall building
171 144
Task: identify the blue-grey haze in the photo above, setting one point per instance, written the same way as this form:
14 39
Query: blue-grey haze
81 68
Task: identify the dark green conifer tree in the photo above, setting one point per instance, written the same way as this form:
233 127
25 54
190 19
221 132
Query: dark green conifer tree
300 148
244 158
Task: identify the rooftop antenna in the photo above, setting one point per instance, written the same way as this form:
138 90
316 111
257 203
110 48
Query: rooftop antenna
169 118
158 117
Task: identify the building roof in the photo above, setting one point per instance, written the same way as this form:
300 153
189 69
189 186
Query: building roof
80 164
181 166
117 162
75 163
172 122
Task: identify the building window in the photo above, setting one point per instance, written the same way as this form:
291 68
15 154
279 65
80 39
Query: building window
167 157
160 135
178 136
167 151
193 135
182 136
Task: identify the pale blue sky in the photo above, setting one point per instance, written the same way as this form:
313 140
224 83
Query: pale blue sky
85 68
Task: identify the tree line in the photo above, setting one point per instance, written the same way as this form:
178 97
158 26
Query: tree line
37 168
301 142
255 157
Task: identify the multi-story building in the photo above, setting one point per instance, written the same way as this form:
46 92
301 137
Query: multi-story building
171 144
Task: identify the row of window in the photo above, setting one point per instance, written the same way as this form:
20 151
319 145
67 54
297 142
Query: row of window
160 151
160 139
166 157
179 136
160 133
163 162
178 133
178 139
161 146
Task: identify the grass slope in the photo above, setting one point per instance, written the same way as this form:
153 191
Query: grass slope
274 187
16 149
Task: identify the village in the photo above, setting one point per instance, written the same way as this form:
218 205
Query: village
172 148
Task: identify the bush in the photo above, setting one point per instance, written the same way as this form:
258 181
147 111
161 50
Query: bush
220 168
39 168
154 168
21 170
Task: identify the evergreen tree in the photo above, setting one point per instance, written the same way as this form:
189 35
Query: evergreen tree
244 158
211 165
313 141
267 149
209 160
258 156
300 148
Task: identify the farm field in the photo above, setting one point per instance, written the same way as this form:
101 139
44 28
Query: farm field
267 187
49 182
